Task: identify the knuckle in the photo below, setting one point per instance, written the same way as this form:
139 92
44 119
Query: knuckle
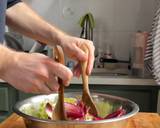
90 45
89 42
47 61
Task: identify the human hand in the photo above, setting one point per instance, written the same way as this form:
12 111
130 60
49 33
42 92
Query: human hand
72 47
35 73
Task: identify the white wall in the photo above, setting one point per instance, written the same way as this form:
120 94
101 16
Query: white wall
116 20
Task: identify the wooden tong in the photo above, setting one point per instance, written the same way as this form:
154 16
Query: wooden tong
59 110
86 97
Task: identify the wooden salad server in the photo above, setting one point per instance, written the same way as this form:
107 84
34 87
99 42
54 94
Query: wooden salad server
59 110
86 97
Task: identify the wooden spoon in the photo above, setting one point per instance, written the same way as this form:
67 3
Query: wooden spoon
59 111
86 97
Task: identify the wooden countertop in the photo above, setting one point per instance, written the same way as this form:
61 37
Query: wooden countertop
141 120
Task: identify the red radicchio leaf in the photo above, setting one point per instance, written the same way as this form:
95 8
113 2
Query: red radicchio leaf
119 112
98 118
83 106
49 110
74 111
80 112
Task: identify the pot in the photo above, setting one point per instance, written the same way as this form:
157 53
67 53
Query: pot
118 122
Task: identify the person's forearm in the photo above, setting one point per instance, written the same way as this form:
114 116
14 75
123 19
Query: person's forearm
6 57
24 20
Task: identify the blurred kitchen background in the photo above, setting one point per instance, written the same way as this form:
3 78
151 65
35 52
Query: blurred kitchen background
117 21
115 34
119 36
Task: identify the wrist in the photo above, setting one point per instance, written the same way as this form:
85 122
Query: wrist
57 37
62 36
7 58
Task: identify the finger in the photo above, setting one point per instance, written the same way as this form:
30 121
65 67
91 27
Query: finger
91 49
39 86
61 71
30 89
52 83
43 74
79 54
42 88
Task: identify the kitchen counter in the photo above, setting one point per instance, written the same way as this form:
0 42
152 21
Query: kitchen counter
141 120
103 76
116 80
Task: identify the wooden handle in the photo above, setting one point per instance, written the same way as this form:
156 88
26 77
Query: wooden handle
84 70
58 54
86 97
60 114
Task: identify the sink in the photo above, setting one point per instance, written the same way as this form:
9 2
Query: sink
106 72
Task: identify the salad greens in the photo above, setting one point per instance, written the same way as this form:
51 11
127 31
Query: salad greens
75 110
33 111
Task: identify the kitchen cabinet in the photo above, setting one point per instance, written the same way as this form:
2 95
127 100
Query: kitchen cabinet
145 96
8 97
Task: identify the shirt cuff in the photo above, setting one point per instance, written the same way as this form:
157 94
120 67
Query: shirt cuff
10 3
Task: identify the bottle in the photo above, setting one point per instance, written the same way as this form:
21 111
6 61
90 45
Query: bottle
99 64
108 53
138 52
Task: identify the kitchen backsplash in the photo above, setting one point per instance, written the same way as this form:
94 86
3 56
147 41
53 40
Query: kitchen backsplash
116 20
